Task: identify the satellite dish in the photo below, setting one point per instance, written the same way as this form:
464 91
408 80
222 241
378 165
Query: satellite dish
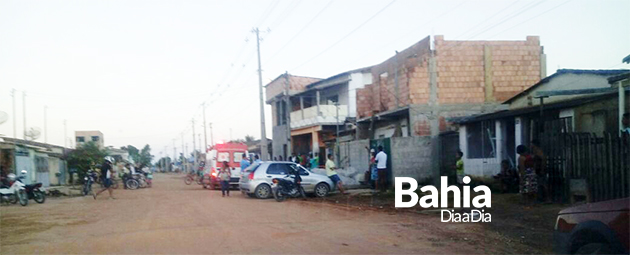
33 133
3 117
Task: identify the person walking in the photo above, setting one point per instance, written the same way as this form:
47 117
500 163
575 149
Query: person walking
332 174
381 165
106 175
224 176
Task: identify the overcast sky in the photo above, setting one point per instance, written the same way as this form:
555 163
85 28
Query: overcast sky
139 70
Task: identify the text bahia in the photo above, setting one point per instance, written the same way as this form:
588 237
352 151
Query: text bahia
432 199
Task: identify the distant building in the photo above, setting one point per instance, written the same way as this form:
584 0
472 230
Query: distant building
82 137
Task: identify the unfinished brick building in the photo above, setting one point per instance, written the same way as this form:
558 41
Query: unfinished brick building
416 90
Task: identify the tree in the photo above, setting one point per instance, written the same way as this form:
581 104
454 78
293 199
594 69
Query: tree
85 157
145 156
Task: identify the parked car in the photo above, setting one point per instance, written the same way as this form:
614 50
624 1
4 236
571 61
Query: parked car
594 228
257 179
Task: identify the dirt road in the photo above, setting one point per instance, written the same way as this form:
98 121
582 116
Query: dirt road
172 218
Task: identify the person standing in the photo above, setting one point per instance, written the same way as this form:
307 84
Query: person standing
244 163
224 176
257 159
528 186
303 160
542 178
106 175
332 174
315 161
373 169
381 165
459 167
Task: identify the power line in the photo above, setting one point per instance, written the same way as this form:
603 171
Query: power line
346 36
302 29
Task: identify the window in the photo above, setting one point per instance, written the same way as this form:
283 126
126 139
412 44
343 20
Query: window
238 156
301 169
332 100
223 156
80 139
481 138
95 138
278 169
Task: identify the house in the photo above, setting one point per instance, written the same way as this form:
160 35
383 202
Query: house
277 93
580 101
81 137
416 91
323 108
43 162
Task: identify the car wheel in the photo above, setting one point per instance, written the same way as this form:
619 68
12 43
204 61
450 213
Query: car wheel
262 191
321 190
595 248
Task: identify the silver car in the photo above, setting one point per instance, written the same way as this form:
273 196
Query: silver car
256 180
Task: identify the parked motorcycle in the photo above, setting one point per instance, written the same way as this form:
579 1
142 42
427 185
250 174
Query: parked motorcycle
283 188
14 191
36 192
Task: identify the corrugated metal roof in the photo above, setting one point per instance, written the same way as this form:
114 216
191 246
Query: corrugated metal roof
532 109
567 71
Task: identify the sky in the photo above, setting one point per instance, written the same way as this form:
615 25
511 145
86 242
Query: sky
139 71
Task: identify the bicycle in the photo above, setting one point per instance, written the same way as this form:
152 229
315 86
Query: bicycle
193 177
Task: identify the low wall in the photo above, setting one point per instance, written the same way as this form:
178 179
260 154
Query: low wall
411 157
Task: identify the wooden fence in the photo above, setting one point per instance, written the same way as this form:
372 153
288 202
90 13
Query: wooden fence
601 163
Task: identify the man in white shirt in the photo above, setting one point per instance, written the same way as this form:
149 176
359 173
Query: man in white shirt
381 166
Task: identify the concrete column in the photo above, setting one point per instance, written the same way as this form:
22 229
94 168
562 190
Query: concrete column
543 65
315 140
487 68
622 105
498 139
317 98
433 98
518 134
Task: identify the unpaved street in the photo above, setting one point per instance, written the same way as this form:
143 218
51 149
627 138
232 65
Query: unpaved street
172 218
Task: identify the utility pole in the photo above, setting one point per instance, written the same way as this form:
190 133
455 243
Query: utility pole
263 134
211 136
194 145
65 133
183 153
337 136
24 111
14 116
205 135
45 124
174 152
199 136
287 105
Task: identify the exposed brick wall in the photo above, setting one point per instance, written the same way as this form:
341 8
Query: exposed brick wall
460 73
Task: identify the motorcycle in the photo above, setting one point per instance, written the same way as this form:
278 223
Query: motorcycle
90 178
283 188
14 191
36 192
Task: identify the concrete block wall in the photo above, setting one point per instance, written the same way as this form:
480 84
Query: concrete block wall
411 157
354 161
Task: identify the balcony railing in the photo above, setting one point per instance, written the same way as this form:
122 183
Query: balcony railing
327 116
